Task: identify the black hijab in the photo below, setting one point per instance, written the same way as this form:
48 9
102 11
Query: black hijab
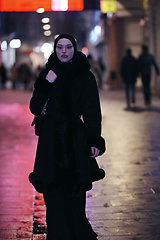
69 37
78 65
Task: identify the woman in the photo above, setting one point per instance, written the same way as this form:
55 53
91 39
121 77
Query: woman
65 164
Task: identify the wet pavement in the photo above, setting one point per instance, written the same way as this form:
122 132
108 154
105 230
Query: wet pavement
125 205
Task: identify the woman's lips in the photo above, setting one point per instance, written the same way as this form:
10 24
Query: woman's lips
64 56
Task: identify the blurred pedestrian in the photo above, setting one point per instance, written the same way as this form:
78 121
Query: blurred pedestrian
25 75
14 75
95 68
3 75
101 72
129 72
38 70
65 164
146 60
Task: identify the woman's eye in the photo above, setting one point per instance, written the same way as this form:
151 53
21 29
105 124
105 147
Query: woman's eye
69 47
59 47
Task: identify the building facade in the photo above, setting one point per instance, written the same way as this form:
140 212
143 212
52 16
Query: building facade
134 24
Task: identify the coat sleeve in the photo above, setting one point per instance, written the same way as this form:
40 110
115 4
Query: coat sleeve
42 91
92 115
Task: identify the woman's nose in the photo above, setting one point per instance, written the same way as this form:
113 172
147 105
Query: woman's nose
64 49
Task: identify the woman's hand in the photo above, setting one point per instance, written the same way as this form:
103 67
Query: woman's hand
95 152
51 76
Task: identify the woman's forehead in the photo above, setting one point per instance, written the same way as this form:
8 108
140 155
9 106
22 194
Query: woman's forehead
64 41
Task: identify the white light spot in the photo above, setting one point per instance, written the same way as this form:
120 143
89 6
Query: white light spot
45 20
46 27
47 48
47 33
15 43
4 46
40 10
59 5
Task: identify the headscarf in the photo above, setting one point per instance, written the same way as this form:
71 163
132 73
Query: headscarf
69 37
77 66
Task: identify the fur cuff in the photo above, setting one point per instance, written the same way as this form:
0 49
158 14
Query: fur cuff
39 186
98 142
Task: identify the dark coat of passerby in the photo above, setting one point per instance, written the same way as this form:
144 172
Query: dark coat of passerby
95 68
101 72
3 75
129 71
146 60
14 75
65 164
24 74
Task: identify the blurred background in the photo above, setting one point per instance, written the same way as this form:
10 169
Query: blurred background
103 29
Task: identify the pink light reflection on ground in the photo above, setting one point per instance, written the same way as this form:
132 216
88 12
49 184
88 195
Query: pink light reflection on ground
17 151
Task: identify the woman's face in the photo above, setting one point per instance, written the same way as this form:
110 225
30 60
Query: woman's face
64 50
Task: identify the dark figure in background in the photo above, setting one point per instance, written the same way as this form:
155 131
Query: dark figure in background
38 70
25 75
146 60
129 70
101 71
65 164
95 68
14 75
3 75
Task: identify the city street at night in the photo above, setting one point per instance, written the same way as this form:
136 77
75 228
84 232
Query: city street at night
122 206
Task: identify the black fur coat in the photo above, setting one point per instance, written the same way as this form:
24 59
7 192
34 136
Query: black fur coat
63 150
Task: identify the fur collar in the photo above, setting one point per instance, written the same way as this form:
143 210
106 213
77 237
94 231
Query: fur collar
78 66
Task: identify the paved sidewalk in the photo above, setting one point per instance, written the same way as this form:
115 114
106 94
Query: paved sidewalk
123 206
17 148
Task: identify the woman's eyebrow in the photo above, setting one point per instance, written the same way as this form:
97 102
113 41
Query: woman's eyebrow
64 45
